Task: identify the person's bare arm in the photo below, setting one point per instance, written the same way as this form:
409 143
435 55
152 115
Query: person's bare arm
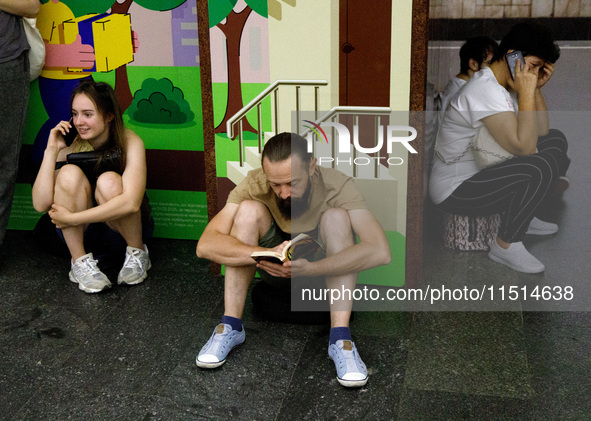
546 73
372 250
216 243
518 134
128 202
542 114
26 8
43 187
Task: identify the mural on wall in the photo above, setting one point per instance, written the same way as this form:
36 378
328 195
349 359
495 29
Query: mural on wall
240 40
148 51
160 102
222 14
240 71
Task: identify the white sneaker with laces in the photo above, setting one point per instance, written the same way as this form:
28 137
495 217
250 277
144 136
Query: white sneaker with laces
515 257
88 276
136 266
539 227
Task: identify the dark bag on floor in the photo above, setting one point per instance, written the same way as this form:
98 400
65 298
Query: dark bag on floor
274 304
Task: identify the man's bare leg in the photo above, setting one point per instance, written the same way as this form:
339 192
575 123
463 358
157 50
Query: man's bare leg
337 234
250 224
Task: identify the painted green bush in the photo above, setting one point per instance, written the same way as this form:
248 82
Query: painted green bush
160 102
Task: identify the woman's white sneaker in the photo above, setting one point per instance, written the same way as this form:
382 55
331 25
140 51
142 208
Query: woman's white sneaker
538 227
88 276
136 265
515 257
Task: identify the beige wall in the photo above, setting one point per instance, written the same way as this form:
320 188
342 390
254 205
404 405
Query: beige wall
400 94
400 58
302 46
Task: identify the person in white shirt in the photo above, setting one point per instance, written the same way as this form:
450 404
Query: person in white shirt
475 53
514 112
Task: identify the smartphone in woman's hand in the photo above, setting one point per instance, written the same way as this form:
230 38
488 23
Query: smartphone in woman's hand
512 60
71 135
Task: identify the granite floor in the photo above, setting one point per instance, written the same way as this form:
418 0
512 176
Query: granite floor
129 353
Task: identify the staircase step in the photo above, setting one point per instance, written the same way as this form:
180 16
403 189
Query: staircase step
267 136
236 173
252 156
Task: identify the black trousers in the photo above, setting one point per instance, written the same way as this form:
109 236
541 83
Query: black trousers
514 188
14 99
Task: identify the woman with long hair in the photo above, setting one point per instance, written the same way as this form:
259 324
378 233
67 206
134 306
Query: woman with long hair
103 194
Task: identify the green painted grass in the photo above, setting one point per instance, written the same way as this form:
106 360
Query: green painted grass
392 274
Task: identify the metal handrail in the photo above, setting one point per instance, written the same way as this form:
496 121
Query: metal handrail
260 97
349 110
356 111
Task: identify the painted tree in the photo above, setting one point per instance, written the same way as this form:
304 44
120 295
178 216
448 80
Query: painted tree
231 23
121 79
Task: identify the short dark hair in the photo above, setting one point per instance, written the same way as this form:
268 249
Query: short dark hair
532 39
476 48
282 146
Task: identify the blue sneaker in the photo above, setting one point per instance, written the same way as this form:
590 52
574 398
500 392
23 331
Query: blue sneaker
222 341
351 371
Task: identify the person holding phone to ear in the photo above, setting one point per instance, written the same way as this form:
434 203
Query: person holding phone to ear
505 97
108 201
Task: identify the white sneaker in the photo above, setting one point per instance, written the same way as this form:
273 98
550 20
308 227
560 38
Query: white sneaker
351 371
88 276
136 265
515 257
538 227
221 342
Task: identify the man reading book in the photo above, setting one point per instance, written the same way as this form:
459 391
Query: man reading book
291 194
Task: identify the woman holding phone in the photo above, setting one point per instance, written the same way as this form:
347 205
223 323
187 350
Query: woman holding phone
514 111
109 200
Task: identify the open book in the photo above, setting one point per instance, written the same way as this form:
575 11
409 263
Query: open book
300 247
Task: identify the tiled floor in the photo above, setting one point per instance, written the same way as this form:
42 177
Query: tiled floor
129 353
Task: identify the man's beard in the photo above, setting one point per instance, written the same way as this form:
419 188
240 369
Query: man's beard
294 208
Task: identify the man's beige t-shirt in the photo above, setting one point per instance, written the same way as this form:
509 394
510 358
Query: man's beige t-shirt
330 189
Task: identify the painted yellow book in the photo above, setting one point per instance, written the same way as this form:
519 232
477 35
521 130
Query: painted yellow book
301 247
110 36
113 43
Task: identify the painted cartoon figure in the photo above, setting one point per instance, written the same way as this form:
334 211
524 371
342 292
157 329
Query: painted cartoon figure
56 83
